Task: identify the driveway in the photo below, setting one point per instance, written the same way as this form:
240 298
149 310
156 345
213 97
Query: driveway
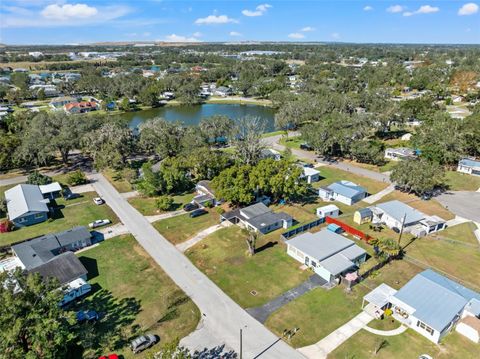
462 203
262 313
222 318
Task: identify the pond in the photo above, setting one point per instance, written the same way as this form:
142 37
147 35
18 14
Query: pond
191 115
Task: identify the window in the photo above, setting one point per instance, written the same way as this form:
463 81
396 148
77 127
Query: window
307 260
21 220
425 327
314 264
38 215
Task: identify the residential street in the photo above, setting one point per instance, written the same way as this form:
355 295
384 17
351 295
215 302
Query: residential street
462 203
222 318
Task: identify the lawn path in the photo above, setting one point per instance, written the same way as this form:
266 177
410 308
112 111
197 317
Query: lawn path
200 236
378 196
159 217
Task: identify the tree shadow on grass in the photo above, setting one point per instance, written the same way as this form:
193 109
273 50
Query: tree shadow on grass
266 246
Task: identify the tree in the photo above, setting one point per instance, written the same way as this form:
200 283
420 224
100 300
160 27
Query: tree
38 178
247 140
217 128
233 184
388 246
418 175
76 178
8 146
151 183
368 152
32 324
161 137
164 203
251 242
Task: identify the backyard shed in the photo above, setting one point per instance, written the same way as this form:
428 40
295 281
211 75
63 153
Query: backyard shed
329 210
363 215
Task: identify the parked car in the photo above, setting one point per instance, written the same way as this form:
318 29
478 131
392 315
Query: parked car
190 207
143 342
87 316
99 223
306 147
98 201
109 356
198 212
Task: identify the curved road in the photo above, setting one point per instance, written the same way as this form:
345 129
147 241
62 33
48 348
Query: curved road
222 317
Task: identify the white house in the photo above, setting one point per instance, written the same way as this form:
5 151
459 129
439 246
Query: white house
310 174
345 192
328 254
329 210
399 153
469 166
223 91
270 153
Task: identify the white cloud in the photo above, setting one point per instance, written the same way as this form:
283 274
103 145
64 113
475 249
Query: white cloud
215 19
68 11
368 8
197 34
296 35
395 9
335 35
180 38
308 29
234 33
468 9
424 9
259 10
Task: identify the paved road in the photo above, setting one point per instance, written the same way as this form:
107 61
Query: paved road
273 142
222 318
462 203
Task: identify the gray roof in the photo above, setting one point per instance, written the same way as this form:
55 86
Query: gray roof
337 264
257 215
435 298
24 198
254 210
398 210
403 151
268 219
346 188
40 250
206 185
365 212
468 162
65 267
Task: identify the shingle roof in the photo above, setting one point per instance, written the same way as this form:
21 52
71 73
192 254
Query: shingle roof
24 198
254 210
346 188
65 267
398 210
436 300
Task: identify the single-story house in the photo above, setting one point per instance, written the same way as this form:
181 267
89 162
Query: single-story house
223 91
432 304
51 190
258 218
81 107
26 205
400 153
310 174
329 210
270 153
363 215
205 193
58 102
39 250
395 213
328 254
345 192
66 267
469 166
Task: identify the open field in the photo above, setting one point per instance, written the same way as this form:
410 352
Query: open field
292 142
148 207
388 166
115 178
270 272
239 100
77 212
317 313
180 228
135 295
457 181
461 232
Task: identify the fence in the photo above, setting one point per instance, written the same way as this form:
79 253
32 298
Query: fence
349 229
302 228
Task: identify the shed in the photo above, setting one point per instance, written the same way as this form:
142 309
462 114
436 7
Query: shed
335 228
363 215
51 190
329 210
469 327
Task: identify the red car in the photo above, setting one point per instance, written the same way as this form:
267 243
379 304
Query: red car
109 356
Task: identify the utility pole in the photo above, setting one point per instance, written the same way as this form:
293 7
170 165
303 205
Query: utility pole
241 344
401 229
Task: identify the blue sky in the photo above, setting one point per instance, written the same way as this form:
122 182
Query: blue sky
85 21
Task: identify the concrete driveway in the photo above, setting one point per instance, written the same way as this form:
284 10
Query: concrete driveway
462 203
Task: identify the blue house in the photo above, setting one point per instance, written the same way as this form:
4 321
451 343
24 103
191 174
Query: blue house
26 205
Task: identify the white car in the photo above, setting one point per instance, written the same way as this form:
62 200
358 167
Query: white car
99 223
98 201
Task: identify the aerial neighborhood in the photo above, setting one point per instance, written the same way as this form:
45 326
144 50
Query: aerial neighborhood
212 196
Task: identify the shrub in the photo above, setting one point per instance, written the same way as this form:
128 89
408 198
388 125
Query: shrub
76 178
164 203
220 210
130 175
6 226
38 178
208 204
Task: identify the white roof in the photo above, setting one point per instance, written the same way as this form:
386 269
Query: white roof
50 188
381 295
307 171
328 208
24 198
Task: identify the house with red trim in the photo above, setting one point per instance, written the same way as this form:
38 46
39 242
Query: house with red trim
81 107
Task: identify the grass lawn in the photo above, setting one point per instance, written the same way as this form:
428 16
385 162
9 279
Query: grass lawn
396 274
115 178
270 272
180 228
461 232
430 207
300 212
274 133
317 313
135 295
76 212
147 205
292 142
384 168
384 324
457 181
331 175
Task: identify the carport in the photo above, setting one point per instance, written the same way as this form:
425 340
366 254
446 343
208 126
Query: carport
378 300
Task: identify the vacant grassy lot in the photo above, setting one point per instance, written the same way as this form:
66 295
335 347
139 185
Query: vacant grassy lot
148 207
407 345
457 181
270 272
317 313
135 295
76 212
117 181
331 175
180 228
292 142
396 274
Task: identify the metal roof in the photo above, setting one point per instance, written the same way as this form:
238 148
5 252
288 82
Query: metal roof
468 162
346 188
50 188
435 299
337 264
65 267
328 208
24 198
398 210
365 212
307 171
380 296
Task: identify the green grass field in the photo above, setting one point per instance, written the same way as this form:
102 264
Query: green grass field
222 256
77 212
115 178
180 228
136 296
147 205
461 232
457 181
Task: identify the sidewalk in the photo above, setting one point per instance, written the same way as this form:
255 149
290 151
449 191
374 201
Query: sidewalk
378 196
336 338
159 217
182 247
